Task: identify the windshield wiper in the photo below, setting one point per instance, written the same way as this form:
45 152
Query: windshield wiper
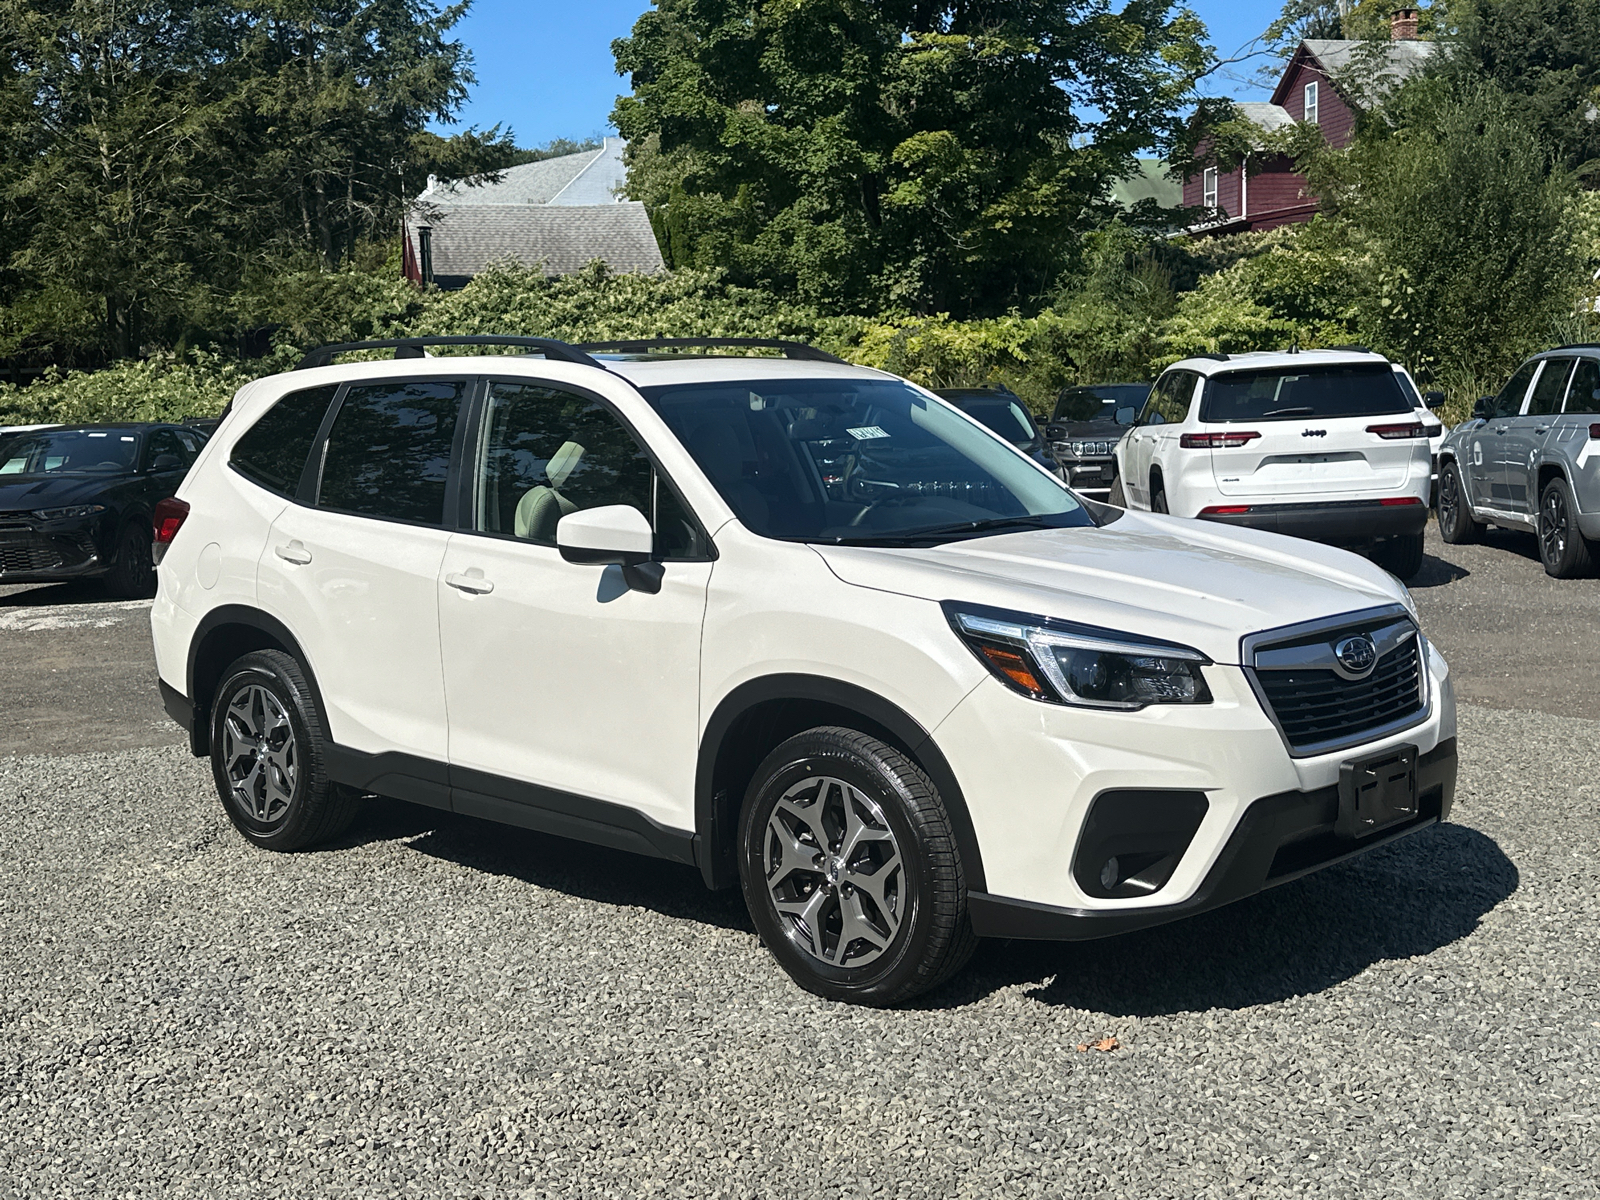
1306 409
989 525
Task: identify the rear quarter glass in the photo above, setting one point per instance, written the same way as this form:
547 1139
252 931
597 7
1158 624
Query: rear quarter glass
273 451
1309 393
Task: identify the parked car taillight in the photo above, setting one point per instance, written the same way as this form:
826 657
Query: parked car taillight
1594 431
1224 510
1216 441
169 517
1392 433
1398 501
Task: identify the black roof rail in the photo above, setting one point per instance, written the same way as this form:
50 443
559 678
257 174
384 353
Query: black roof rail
1354 348
1213 354
795 350
1579 346
414 347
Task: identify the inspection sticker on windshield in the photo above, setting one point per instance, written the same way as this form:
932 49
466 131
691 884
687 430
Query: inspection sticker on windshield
866 433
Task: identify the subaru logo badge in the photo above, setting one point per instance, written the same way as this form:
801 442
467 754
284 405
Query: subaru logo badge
1357 655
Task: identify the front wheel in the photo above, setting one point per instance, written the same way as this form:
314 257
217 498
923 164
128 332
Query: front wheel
1400 556
1117 496
850 869
1456 525
1562 547
133 571
268 743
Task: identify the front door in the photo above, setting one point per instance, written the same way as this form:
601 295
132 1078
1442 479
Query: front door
1526 434
564 685
354 570
1486 470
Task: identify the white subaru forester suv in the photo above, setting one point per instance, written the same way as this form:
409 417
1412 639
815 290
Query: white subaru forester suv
1321 444
799 624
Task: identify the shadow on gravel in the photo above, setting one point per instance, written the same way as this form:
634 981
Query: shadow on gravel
544 860
1436 572
1409 899
87 591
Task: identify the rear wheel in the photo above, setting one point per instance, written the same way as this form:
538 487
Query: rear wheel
1562 548
133 570
850 869
1400 556
1158 495
1456 525
267 756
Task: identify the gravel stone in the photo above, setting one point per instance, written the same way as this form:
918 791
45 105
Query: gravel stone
439 1007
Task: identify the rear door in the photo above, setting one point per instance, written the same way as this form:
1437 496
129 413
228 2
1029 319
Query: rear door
1526 434
353 568
1322 431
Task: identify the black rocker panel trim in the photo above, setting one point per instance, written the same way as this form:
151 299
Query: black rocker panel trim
392 773
716 824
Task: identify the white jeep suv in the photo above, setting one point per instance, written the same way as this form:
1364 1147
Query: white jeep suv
799 624
1320 444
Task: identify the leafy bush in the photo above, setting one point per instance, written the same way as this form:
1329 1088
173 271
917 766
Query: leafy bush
160 388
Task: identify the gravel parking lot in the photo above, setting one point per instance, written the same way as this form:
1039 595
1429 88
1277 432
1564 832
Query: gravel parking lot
441 1007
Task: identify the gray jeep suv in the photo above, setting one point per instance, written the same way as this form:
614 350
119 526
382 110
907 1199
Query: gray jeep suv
1530 459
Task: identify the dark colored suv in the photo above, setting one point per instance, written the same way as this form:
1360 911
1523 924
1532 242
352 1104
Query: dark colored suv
1085 428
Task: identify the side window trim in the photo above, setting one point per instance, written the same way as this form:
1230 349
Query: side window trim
311 474
1152 403
473 451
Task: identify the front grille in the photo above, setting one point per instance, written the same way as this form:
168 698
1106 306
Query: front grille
1319 709
25 556
37 552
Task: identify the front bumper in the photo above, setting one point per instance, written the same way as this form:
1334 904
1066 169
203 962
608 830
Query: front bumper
1341 523
1091 475
33 551
1279 838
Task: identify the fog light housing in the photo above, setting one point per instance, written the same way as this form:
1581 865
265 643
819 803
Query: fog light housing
1132 841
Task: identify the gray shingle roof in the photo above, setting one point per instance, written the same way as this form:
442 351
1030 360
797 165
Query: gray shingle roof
469 238
584 179
1264 116
1364 71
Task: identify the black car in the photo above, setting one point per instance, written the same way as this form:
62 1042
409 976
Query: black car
76 501
1003 411
1086 426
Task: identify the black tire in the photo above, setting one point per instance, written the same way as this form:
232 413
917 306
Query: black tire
289 802
133 570
1400 556
1456 525
929 936
1158 497
1563 549
1117 496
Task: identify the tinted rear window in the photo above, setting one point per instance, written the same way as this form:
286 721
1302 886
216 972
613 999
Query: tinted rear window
1100 402
1304 393
389 450
273 451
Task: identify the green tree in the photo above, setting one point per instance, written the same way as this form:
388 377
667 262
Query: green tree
924 154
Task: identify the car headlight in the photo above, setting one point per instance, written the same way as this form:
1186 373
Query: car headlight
76 510
1059 662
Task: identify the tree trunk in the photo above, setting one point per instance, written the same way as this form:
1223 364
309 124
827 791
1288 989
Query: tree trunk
324 227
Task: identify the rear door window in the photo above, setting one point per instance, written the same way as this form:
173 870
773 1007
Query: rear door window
1550 388
1583 395
1304 393
388 452
1159 405
273 451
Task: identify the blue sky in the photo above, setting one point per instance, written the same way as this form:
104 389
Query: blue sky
544 66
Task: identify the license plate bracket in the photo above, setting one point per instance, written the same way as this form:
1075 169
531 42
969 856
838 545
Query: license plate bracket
1376 792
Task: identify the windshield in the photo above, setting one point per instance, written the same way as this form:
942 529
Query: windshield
1005 417
1296 393
69 452
858 461
1100 403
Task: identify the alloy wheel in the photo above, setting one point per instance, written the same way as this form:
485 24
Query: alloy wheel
259 753
834 872
1449 501
1553 526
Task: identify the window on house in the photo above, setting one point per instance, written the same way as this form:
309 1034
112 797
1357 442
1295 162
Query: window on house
1311 104
1208 187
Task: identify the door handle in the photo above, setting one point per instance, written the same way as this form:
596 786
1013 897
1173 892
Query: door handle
473 581
294 552
1541 429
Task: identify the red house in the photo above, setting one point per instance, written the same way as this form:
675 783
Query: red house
1324 83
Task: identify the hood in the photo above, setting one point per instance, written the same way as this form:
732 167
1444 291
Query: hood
24 493
1185 581
1099 431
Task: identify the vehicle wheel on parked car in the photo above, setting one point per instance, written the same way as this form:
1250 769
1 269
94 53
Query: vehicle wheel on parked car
1158 497
133 571
851 871
1117 496
267 755
1456 525
1562 548
1400 556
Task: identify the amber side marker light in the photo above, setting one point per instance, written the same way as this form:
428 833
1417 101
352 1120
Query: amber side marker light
1015 668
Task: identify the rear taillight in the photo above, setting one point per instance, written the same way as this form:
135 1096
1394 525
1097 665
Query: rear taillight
1397 501
1216 441
1594 431
168 519
1393 433
1224 510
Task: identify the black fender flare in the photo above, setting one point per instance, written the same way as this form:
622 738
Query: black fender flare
717 814
253 618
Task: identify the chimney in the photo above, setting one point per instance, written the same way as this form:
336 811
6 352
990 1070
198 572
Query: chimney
1403 25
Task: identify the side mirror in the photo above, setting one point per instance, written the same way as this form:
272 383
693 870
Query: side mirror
1127 416
1482 409
1055 433
1433 399
613 535
166 462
